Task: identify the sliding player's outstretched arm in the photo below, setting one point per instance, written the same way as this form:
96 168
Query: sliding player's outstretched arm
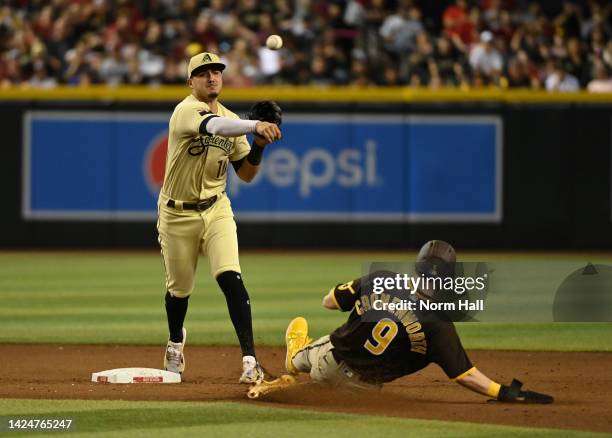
513 393
475 380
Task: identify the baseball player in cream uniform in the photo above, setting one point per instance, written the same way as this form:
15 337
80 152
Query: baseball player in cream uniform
195 214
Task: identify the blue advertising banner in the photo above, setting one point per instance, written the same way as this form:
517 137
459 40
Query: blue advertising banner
110 165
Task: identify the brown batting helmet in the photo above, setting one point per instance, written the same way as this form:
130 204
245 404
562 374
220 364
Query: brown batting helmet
437 249
436 258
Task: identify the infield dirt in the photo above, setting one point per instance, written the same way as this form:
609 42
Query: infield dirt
580 382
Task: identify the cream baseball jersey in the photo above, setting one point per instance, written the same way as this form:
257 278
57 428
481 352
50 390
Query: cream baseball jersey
197 164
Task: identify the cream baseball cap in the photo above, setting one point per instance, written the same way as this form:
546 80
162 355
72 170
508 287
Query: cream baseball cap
204 59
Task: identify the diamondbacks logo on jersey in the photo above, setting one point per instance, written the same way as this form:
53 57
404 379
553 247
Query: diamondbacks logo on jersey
154 165
199 145
218 142
196 147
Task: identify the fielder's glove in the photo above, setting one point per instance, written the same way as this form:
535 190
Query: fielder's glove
514 394
266 111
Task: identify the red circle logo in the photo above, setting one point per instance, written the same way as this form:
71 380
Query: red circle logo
155 162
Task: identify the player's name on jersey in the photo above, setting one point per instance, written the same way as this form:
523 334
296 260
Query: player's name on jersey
427 305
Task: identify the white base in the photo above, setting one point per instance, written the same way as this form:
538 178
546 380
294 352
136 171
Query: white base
135 375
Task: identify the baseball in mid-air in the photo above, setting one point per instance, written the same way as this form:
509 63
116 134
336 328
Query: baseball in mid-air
274 42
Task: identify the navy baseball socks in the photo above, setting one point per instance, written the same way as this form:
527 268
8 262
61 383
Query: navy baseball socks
239 307
176 309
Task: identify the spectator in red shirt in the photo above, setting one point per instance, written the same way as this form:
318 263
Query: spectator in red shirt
457 23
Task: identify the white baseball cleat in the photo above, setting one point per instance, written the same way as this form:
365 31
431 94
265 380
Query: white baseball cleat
251 371
174 359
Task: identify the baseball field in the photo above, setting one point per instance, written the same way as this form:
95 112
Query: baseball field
65 315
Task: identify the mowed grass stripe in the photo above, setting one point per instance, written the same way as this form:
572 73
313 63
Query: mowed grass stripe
532 338
129 419
118 298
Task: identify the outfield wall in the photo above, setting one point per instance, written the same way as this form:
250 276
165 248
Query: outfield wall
481 169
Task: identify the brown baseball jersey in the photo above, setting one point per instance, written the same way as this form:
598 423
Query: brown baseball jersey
196 164
388 348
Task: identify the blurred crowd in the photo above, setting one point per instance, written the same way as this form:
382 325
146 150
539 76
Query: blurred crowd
553 45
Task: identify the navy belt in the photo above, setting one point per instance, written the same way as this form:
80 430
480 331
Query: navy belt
202 205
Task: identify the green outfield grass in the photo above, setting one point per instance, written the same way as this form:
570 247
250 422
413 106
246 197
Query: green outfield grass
163 419
98 297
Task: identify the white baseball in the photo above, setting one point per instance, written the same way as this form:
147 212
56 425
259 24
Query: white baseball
274 42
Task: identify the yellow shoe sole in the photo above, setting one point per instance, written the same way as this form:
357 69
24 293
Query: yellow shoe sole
296 338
